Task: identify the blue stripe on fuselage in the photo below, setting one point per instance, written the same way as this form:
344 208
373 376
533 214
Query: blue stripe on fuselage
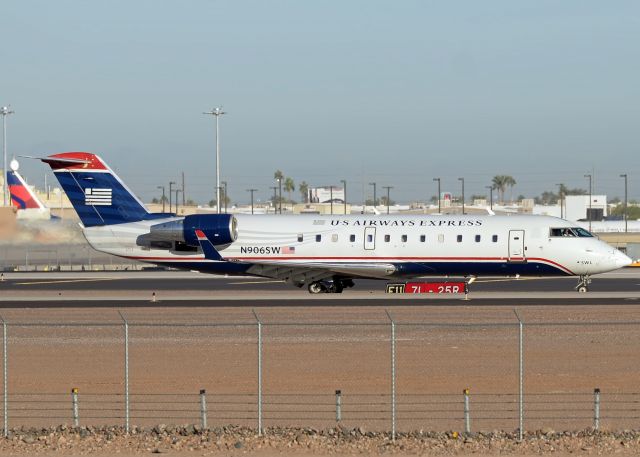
408 269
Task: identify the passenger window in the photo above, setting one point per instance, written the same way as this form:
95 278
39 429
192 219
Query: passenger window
495 238
477 238
318 238
334 237
441 238
369 238
387 238
423 238
300 237
459 238
404 238
352 238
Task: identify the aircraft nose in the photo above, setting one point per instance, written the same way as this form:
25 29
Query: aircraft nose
621 260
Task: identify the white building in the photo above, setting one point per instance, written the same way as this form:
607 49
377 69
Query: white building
326 194
576 207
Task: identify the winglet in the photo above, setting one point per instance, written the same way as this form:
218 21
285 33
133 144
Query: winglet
209 251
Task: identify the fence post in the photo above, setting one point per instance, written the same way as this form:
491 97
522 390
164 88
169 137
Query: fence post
203 409
596 409
126 372
259 323
467 418
393 376
338 405
520 376
4 378
74 402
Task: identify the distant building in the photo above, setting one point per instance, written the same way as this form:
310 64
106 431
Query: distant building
576 207
326 194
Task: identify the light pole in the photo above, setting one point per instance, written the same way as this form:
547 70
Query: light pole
252 191
5 111
560 192
388 202
344 188
462 179
163 197
331 198
279 194
439 204
217 112
171 183
590 199
275 199
625 201
490 196
224 184
375 202
177 192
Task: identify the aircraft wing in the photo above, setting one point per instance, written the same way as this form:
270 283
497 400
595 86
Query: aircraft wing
316 271
299 271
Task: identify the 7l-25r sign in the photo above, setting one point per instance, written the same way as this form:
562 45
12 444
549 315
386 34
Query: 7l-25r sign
427 288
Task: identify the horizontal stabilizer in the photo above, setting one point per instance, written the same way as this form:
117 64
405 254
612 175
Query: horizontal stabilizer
208 249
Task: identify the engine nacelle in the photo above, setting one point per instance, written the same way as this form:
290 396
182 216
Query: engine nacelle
219 228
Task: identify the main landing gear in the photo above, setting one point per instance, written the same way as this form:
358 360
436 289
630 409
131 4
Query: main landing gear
583 285
330 286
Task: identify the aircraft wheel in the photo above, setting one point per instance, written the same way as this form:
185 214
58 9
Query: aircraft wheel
583 289
316 288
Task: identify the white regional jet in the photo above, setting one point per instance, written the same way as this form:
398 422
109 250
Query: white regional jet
325 253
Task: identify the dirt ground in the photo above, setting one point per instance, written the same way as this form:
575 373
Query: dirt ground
309 353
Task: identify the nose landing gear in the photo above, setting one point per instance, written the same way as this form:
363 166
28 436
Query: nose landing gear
583 285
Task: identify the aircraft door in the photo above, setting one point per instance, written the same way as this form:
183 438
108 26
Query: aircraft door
370 238
516 246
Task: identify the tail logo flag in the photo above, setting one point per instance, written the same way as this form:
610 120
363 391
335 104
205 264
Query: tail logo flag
97 197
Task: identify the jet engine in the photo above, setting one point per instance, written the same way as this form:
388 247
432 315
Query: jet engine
219 228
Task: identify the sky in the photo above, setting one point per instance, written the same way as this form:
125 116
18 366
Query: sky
395 93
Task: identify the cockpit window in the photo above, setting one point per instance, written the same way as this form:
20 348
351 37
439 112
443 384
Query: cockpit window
582 232
564 231
569 232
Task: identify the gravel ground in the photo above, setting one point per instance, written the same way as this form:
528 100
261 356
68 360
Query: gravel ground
190 440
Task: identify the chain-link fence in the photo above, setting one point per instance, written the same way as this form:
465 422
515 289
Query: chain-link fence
384 375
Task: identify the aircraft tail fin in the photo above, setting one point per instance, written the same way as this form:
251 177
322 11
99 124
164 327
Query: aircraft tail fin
210 252
97 194
22 197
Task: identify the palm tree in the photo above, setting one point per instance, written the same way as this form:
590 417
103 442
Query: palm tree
304 191
498 183
501 182
510 182
278 175
289 186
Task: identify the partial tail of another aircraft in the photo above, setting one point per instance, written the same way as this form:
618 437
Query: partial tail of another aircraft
22 197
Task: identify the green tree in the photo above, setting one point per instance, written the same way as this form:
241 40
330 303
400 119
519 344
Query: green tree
303 187
500 183
289 186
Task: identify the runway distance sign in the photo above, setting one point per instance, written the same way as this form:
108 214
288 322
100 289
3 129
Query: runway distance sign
447 287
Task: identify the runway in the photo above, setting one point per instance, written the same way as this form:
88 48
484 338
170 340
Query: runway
185 289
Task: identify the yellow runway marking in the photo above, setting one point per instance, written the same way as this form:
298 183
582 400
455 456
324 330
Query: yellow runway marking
65 280
256 282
